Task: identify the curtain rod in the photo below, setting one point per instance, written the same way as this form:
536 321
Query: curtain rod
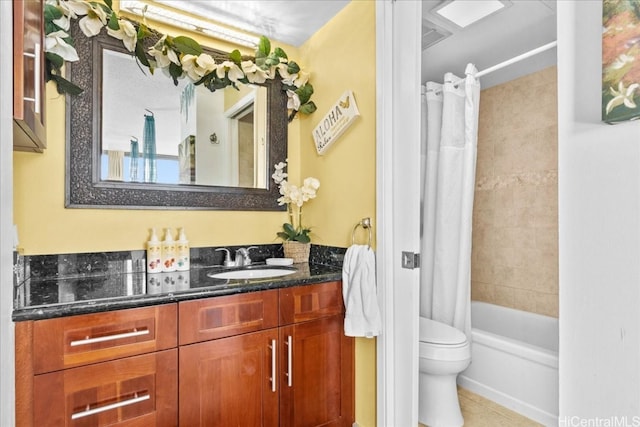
517 58
511 61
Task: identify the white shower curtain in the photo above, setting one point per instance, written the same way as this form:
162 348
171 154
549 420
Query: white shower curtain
449 163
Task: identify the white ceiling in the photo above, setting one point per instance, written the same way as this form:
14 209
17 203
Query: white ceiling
286 21
522 26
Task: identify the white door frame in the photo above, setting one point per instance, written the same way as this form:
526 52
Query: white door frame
398 74
7 359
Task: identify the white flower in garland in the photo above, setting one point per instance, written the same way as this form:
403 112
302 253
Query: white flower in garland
127 33
302 79
55 43
163 55
283 70
231 68
254 73
293 103
92 23
197 66
71 8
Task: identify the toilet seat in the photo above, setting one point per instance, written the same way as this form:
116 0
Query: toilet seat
440 334
442 342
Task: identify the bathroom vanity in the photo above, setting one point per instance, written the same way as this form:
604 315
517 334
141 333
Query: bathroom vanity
268 352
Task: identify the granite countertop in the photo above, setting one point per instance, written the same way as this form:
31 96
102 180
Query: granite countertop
43 298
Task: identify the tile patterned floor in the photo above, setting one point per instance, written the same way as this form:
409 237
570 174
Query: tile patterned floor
480 412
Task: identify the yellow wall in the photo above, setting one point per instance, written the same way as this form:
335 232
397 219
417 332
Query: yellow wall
341 56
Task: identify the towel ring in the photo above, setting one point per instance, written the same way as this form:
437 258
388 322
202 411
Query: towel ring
366 224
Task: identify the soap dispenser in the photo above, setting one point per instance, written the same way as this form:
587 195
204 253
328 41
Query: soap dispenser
182 248
154 253
168 252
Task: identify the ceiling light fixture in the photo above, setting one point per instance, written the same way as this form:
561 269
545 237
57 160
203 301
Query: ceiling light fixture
465 12
176 19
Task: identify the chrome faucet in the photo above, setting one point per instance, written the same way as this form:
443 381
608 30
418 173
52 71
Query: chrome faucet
242 256
227 262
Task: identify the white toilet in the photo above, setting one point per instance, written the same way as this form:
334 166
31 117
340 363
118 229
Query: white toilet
444 353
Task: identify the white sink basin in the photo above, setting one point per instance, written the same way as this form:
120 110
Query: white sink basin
258 273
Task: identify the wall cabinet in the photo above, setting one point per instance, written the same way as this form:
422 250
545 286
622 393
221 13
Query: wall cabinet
28 85
277 358
269 358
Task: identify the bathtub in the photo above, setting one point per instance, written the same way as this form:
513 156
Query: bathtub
514 360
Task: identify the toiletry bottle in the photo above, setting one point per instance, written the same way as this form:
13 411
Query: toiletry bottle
182 249
154 254
168 252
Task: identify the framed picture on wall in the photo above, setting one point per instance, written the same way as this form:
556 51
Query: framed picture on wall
620 60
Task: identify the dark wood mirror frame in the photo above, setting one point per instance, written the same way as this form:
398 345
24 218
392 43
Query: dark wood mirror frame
83 187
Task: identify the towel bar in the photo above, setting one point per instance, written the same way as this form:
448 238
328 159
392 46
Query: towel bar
366 224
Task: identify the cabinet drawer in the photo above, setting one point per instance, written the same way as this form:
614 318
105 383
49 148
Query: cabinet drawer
134 391
302 303
79 340
202 320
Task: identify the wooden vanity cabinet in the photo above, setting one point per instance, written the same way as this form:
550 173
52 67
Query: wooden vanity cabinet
117 368
269 358
229 381
29 83
317 382
228 360
277 358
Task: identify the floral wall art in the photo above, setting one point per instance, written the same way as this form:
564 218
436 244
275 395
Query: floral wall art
620 60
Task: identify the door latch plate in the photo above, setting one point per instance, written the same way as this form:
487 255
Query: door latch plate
410 260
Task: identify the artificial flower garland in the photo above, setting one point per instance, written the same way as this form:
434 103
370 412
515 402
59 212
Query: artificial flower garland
180 56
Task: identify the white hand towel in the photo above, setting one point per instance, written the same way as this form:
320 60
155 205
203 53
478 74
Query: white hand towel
362 317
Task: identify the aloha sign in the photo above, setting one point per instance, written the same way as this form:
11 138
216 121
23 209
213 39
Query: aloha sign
335 122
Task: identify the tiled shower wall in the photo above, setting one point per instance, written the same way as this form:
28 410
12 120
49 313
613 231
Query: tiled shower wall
515 216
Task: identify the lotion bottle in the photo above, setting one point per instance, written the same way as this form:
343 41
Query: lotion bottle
168 252
154 253
182 249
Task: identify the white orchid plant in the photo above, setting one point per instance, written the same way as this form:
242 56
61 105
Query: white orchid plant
180 56
294 197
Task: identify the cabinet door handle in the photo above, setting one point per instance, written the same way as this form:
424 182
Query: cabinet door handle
36 77
87 412
273 365
87 340
290 361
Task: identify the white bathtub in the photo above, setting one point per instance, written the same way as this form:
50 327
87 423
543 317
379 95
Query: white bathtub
514 360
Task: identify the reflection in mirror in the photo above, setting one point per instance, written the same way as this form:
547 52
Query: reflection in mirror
201 137
218 161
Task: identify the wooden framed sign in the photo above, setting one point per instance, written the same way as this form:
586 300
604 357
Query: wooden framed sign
336 121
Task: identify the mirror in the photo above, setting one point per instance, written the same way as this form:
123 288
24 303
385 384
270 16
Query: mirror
212 150
199 137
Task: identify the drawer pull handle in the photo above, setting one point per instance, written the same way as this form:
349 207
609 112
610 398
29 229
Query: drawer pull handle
135 399
273 365
36 71
290 361
87 340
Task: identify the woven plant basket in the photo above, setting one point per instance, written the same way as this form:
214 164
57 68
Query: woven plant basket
299 252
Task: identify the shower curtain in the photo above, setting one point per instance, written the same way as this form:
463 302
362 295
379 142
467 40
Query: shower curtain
448 172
